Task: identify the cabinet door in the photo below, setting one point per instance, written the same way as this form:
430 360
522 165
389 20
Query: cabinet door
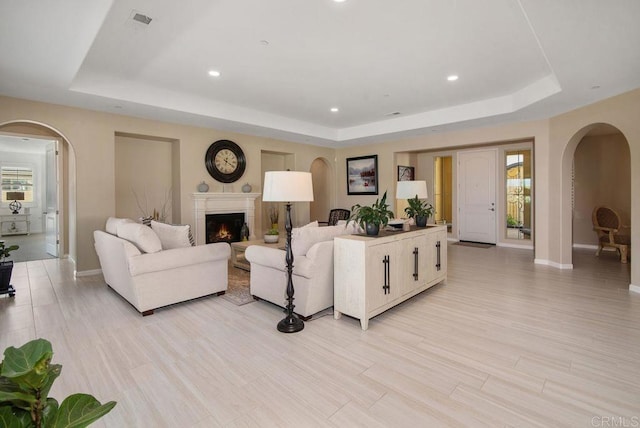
416 258
383 265
437 255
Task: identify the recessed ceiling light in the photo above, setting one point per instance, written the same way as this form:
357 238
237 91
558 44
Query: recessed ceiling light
334 109
452 78
339 1
214 73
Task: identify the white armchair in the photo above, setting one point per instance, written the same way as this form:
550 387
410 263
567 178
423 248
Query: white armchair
312 270
149 277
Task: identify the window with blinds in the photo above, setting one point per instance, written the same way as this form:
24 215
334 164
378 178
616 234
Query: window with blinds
16 181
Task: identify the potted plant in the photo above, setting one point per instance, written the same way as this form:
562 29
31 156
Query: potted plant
274 215
419 210
26 377
372 217
272 236
6 267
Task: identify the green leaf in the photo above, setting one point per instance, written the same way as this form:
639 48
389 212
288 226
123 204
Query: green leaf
29 364
79 410
49 412
12 393
14 418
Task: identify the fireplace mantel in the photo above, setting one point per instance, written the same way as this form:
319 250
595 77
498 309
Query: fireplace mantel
221 203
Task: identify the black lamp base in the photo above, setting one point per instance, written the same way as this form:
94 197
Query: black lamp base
290 324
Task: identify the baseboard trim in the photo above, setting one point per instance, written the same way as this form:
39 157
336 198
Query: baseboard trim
92 272
634 288
586 246
553 264
518 246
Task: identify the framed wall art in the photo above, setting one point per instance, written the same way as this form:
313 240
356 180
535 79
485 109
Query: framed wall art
406 173
362 175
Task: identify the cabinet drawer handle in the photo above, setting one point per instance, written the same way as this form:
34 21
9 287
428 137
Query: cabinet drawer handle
415 263
438 255
387 275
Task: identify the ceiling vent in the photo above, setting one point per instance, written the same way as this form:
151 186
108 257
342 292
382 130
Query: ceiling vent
143 19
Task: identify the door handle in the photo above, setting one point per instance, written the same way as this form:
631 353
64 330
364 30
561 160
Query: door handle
492 209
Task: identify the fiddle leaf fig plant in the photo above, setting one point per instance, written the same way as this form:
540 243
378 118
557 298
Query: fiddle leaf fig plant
6 251
26 377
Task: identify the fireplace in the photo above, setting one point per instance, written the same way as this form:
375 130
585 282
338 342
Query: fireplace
222 203
223 227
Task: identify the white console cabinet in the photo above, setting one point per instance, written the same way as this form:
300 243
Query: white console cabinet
373 274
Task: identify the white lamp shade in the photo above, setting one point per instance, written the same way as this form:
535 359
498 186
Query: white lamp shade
287 186
411 189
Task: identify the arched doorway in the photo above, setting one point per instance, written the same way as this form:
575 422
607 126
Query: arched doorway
596 170
322 190
65 217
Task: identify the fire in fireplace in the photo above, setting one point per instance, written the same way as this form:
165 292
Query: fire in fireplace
224 227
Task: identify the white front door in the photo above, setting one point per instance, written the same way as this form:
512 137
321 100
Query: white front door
51 213
477 195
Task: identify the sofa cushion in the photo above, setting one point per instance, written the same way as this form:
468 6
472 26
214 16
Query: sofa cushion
172 236
141 236
113 222
303 238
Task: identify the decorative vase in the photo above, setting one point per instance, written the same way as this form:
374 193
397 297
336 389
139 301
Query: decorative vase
244 232
421 220
246 188
203 187
271 239
372 229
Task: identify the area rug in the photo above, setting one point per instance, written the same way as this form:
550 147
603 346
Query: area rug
473 244
238 289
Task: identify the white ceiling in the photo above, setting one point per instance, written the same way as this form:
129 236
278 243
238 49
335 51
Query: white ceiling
285 63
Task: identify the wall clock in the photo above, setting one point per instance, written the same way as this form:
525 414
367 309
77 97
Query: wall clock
225 161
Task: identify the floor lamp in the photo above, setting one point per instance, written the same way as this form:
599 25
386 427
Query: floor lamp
288 186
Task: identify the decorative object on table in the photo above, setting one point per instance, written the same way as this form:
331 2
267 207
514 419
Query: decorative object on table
288 186
413 191
15 206
26 377
274 215
246 188
158 215
6 268
362 175
372 217
225 161
406 173
244 232
203 187
272 236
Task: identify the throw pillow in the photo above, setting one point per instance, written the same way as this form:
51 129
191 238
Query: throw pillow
172 236
113 222
141 236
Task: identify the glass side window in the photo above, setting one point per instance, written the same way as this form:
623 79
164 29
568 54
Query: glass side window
518 198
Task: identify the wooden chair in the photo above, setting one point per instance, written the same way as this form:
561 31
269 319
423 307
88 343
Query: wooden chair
606 223
335 215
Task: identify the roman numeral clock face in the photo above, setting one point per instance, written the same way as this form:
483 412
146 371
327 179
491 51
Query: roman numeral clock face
225 161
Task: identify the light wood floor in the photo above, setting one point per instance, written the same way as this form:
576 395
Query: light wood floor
503 343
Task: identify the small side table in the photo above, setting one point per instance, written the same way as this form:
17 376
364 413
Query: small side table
13 219
238 249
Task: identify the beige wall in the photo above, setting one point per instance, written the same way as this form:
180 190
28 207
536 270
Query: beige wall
91 135
602 178
92 139
143 177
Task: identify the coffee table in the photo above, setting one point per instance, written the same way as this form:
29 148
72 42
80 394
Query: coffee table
238 249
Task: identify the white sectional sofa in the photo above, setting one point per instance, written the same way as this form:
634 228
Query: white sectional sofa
150 272
312 249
